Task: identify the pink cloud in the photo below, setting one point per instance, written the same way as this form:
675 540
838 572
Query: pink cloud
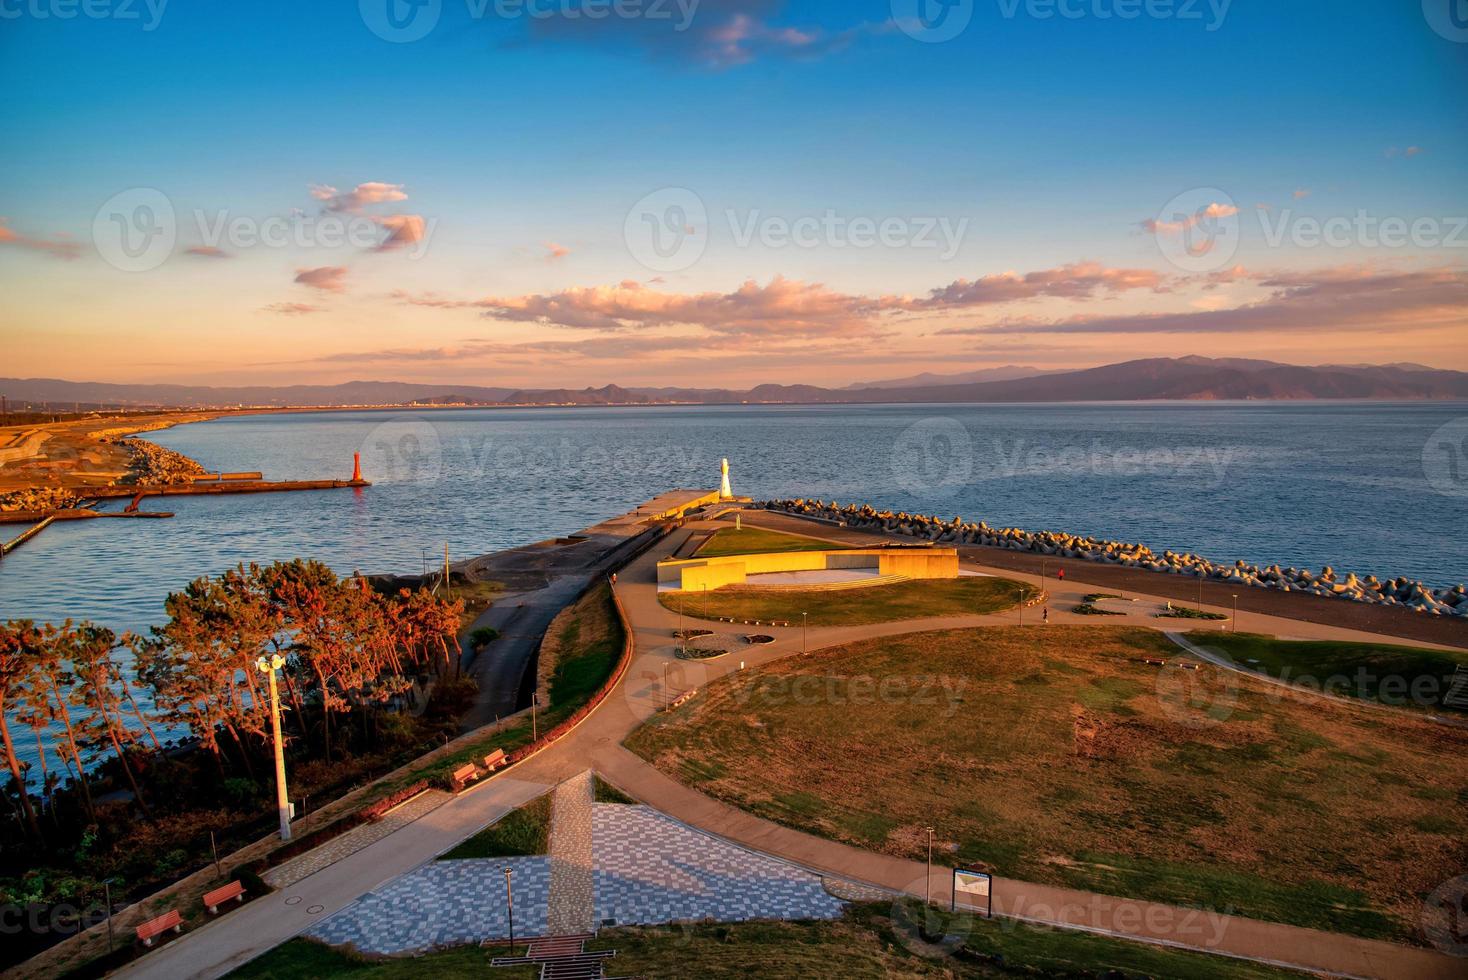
1213 211
1301 194
555 252
1081 280
292 309
207 251
402 230
372 192
331 278
61 248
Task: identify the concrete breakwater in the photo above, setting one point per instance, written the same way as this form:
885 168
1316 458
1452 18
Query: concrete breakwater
154 465
1417 596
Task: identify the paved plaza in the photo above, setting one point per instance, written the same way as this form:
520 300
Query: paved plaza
646 869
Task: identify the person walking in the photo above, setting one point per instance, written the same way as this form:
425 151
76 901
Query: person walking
1045 615
1060 574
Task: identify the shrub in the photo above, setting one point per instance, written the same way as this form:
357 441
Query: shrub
482 636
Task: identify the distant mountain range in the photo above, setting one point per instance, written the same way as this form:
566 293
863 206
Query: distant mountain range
1181 378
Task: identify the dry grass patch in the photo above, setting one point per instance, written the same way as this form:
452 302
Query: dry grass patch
915 599
1056 755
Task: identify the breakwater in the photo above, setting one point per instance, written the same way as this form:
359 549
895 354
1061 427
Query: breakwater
1406 593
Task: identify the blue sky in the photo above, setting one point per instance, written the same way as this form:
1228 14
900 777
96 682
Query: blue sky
523 144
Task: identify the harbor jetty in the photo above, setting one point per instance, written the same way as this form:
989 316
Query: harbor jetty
1398 592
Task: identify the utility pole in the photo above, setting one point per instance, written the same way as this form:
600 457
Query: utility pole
1021 605
510 904
1234 624
268 667
928 888
534 729
804 646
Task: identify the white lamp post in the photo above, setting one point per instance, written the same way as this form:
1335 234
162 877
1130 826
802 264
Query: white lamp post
268 666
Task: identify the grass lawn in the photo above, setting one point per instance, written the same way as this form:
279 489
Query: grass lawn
607 793
1054 755
913 599
523 831
754 540
587 644
869 941
1380 672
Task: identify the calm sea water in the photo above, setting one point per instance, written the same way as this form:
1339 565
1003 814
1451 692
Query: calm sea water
1301 484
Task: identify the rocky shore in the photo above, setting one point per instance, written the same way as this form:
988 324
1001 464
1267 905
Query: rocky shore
40 498
152 465
1400 592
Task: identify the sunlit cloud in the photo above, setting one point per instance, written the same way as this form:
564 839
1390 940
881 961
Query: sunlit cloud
58 246
207 252
292 309
359 197
331 278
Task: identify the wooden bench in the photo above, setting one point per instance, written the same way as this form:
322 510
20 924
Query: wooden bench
153 928
464 775
216 898
682 699
494 760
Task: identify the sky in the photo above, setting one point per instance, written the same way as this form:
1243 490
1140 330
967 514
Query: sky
725 192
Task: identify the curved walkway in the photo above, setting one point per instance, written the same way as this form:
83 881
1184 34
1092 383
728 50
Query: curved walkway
655 678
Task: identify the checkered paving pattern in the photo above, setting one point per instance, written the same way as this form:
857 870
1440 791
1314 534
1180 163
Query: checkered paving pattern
443 903
572 883
651 869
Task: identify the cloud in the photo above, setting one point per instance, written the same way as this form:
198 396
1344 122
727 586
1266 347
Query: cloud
786 307
555 252
402 230
713 34
1409 152
1213 211
208 252
1080 280
1301 194
331 278
359 197
1333 299
292 309
61 248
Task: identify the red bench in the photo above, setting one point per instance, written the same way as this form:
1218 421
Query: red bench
216 898
153 928
464 775
494 760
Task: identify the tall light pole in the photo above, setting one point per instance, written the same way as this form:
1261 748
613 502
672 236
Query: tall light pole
928 890
268 667
1021 606
1234 625
705 600
107 897
804 647
510 904
534 728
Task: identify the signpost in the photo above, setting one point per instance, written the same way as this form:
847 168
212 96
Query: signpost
976 888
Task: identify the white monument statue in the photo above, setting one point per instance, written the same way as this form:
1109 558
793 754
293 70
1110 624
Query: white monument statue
724 490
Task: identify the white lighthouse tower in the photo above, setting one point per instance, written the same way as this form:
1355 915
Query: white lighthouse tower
724 491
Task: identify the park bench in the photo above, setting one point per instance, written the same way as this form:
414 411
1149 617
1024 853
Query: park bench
1154 663
464 775
149 931
683 699
216 898
494 760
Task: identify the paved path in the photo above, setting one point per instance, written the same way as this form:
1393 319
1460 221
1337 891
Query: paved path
239 936
572 883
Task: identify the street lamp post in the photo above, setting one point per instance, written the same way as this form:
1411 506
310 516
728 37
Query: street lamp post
107 896
1234 625
1021 606
268 666
804 646
705 601
510 904
928 890
534 729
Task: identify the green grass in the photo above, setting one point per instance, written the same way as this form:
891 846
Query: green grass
1089 609
523 831
914 599
754 540
590 645
1187 612
875 940
607 793
1059 757
1375 671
